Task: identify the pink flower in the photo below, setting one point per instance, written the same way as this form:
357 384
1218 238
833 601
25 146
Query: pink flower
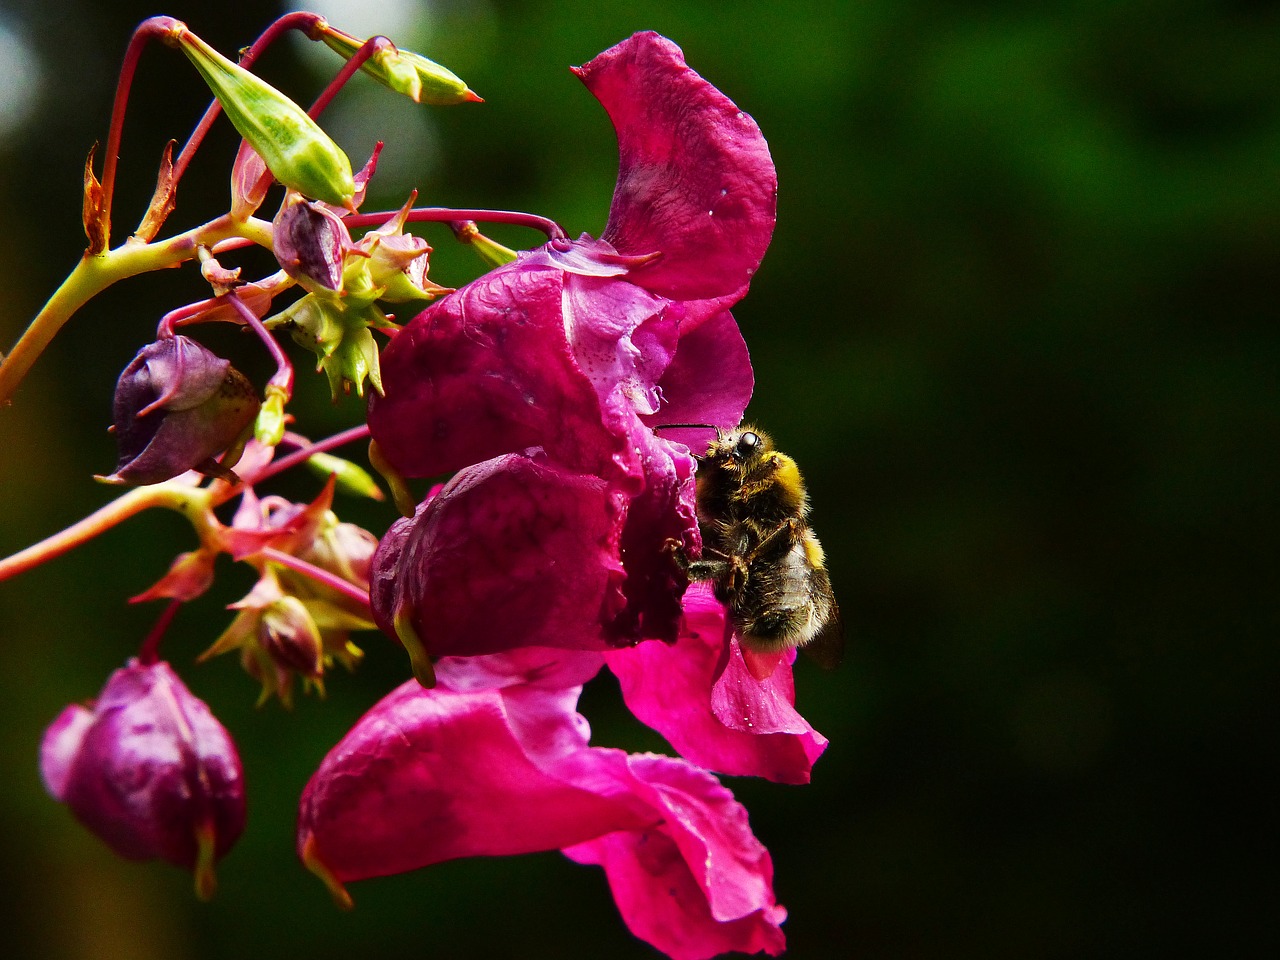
494 761
150 771
540 384
699 694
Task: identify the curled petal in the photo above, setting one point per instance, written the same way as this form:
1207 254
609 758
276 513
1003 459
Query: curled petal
429 775
190 575
673 689
692 393
699 883
541 667
453 778
695 179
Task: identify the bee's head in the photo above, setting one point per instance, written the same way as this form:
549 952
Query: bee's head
740 449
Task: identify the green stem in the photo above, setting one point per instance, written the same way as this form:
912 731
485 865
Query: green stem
94 273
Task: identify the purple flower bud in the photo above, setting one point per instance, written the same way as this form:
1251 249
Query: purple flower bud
311 242
177 405
150 771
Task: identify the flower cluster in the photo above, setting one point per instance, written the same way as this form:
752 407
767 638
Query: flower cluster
546 556
561 392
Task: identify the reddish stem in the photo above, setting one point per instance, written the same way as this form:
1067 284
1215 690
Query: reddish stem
322 576
149 652
289 460
283 377
367 49
449 215
146 31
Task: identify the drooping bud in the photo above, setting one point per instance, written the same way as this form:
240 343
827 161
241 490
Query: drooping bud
290 637
296 151
177 405
311 242
419 79
150 771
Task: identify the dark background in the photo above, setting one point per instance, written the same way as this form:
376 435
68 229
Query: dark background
1018 326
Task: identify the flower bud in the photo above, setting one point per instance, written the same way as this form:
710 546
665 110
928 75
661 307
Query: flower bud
296 151
150 771
249 182
311 243
419 79
290 637
337 332
398 264
490 251
176 406
351 477
268 427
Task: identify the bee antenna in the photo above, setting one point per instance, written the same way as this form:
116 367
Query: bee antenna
687 426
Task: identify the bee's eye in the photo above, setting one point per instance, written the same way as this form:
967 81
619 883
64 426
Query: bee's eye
747 444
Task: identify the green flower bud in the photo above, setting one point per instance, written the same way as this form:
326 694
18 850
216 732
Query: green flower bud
268 429
336 330
296 151
351 477
419 79
355 360
491 252
314 324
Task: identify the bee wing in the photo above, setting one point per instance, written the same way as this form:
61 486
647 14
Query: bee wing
826 649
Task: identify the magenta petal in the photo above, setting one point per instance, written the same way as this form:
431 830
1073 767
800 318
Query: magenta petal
709 380
699 883
542 667
695 179
430 775
621 336
59 747
670 688
512 552
744 700
485 371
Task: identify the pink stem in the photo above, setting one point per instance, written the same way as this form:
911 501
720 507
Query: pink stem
322 576
145 32
149 652
367 49
281 464
98 522
283 377
517 218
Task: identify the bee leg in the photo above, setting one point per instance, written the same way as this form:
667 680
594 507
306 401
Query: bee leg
790 529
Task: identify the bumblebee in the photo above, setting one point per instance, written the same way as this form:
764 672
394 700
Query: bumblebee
758 551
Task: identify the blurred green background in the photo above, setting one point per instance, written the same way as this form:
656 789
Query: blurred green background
1017 325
